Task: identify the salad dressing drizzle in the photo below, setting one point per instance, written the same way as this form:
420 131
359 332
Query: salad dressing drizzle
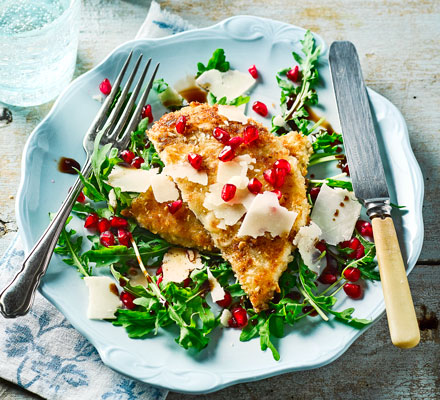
68 165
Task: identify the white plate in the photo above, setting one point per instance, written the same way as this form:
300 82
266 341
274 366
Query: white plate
159 360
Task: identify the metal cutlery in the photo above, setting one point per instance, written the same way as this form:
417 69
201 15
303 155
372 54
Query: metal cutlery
370 186
116 129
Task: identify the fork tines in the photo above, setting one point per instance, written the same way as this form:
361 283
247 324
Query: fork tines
123 109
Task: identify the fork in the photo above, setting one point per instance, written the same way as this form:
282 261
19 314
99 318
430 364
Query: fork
17 298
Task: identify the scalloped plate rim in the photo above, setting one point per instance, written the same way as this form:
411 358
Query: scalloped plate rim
101 347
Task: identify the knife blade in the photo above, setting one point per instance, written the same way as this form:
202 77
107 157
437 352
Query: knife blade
370 186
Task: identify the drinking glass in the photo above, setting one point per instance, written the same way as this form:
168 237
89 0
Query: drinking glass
38 46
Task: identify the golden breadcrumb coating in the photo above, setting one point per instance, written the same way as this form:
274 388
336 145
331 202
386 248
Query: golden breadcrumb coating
181 228
258 263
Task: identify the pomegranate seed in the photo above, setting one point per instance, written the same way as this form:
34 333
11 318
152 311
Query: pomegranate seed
81 198
321 246
254 186
124 237
228 191
236 141
269 176
352 274
253 71
330 273
159 280
293 74
226 302
356 246
195 160
174 206
105 87
91 221
353 290
127 300
314 191
327 277
359 252
107 239
181 124
227 154
250 134
159 271
280 177
345 169
364 228
221 135
260 108
283 164
278 193
128 156
103 225
239 318
137 162
186 282
122 282
147 113
118 222
311 310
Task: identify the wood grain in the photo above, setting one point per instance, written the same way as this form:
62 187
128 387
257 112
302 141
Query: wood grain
397 42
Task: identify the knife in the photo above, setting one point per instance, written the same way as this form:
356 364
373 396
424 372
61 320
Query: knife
370 186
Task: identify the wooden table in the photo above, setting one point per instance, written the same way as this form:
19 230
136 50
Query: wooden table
398 44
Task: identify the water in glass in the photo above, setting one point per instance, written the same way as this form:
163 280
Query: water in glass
38 45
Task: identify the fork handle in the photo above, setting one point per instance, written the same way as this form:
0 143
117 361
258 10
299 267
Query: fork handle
17 298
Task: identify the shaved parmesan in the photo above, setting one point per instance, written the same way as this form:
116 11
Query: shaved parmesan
131 179
217 292
185 170
229 84
278 120
237 167
230 212
336 211
103 303
112 201
305 240
178 263
266 215
138 279
164 188
225 316
233 113
227 214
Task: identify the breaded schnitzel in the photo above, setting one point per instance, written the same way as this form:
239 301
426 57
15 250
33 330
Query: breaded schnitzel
257 262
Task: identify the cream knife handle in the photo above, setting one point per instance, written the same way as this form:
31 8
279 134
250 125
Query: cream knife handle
401 315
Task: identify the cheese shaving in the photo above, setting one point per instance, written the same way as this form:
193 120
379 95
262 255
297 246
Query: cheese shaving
225 316
185 170
131 179
233 113
237 167
266 215
305 240
336 211
230 212
217 292
178 263
229 84
103 303
164 188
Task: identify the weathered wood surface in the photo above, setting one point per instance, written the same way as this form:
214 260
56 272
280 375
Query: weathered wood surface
398 46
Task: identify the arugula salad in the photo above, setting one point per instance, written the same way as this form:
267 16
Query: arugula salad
119 250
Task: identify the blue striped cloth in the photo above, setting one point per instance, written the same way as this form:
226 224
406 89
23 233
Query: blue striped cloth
42 352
